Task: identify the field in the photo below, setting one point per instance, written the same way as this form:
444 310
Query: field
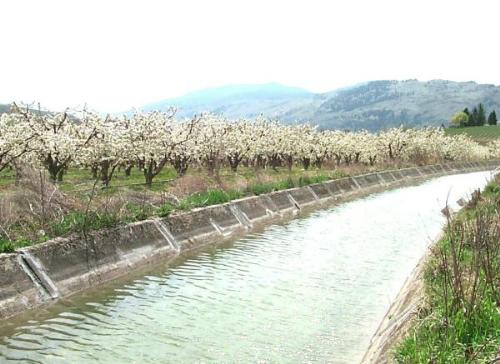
481 134
79 182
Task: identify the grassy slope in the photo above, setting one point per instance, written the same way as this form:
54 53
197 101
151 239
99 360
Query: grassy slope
461 325
481 134
129 200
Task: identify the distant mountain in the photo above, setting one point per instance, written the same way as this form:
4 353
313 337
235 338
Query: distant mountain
4 108
238 101
7 108
373 105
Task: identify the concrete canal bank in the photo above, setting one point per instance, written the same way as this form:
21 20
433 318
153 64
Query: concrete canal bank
398 318
41 274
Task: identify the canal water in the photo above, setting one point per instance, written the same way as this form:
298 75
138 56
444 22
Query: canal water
310 290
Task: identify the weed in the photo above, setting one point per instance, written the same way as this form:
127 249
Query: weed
208 198
138 212
261 188
165 209
7 246
79 221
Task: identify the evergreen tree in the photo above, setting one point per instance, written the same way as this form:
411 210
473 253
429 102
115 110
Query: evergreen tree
481 116
466 122
473 117
492 118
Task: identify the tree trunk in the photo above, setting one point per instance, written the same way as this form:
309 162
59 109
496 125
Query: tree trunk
211 164
356 157
105 173
181 165
60 175
55 168
275 163
306 162
53 172
128 170
149 175
234 161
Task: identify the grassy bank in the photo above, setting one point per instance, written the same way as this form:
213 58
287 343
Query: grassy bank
481 134
460 320
35 210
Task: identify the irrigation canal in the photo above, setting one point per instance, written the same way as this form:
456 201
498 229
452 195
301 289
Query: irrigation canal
313 289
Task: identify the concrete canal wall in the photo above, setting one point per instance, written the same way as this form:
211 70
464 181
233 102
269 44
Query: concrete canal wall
41 274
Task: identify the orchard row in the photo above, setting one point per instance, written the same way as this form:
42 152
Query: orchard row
151 141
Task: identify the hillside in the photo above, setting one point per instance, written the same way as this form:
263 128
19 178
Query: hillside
372 105
380 104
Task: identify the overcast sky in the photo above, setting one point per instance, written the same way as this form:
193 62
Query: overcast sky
113 55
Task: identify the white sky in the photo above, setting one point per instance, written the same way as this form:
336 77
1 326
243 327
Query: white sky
113 55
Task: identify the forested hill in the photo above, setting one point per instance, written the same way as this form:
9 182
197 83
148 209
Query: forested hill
373 105
381 104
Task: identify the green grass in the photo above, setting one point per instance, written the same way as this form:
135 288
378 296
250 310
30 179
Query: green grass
166 209
208 198
75 222
219 196
481 134
81 179
261 188
136 212
7 178
7 246
200 199
79 222
290 182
